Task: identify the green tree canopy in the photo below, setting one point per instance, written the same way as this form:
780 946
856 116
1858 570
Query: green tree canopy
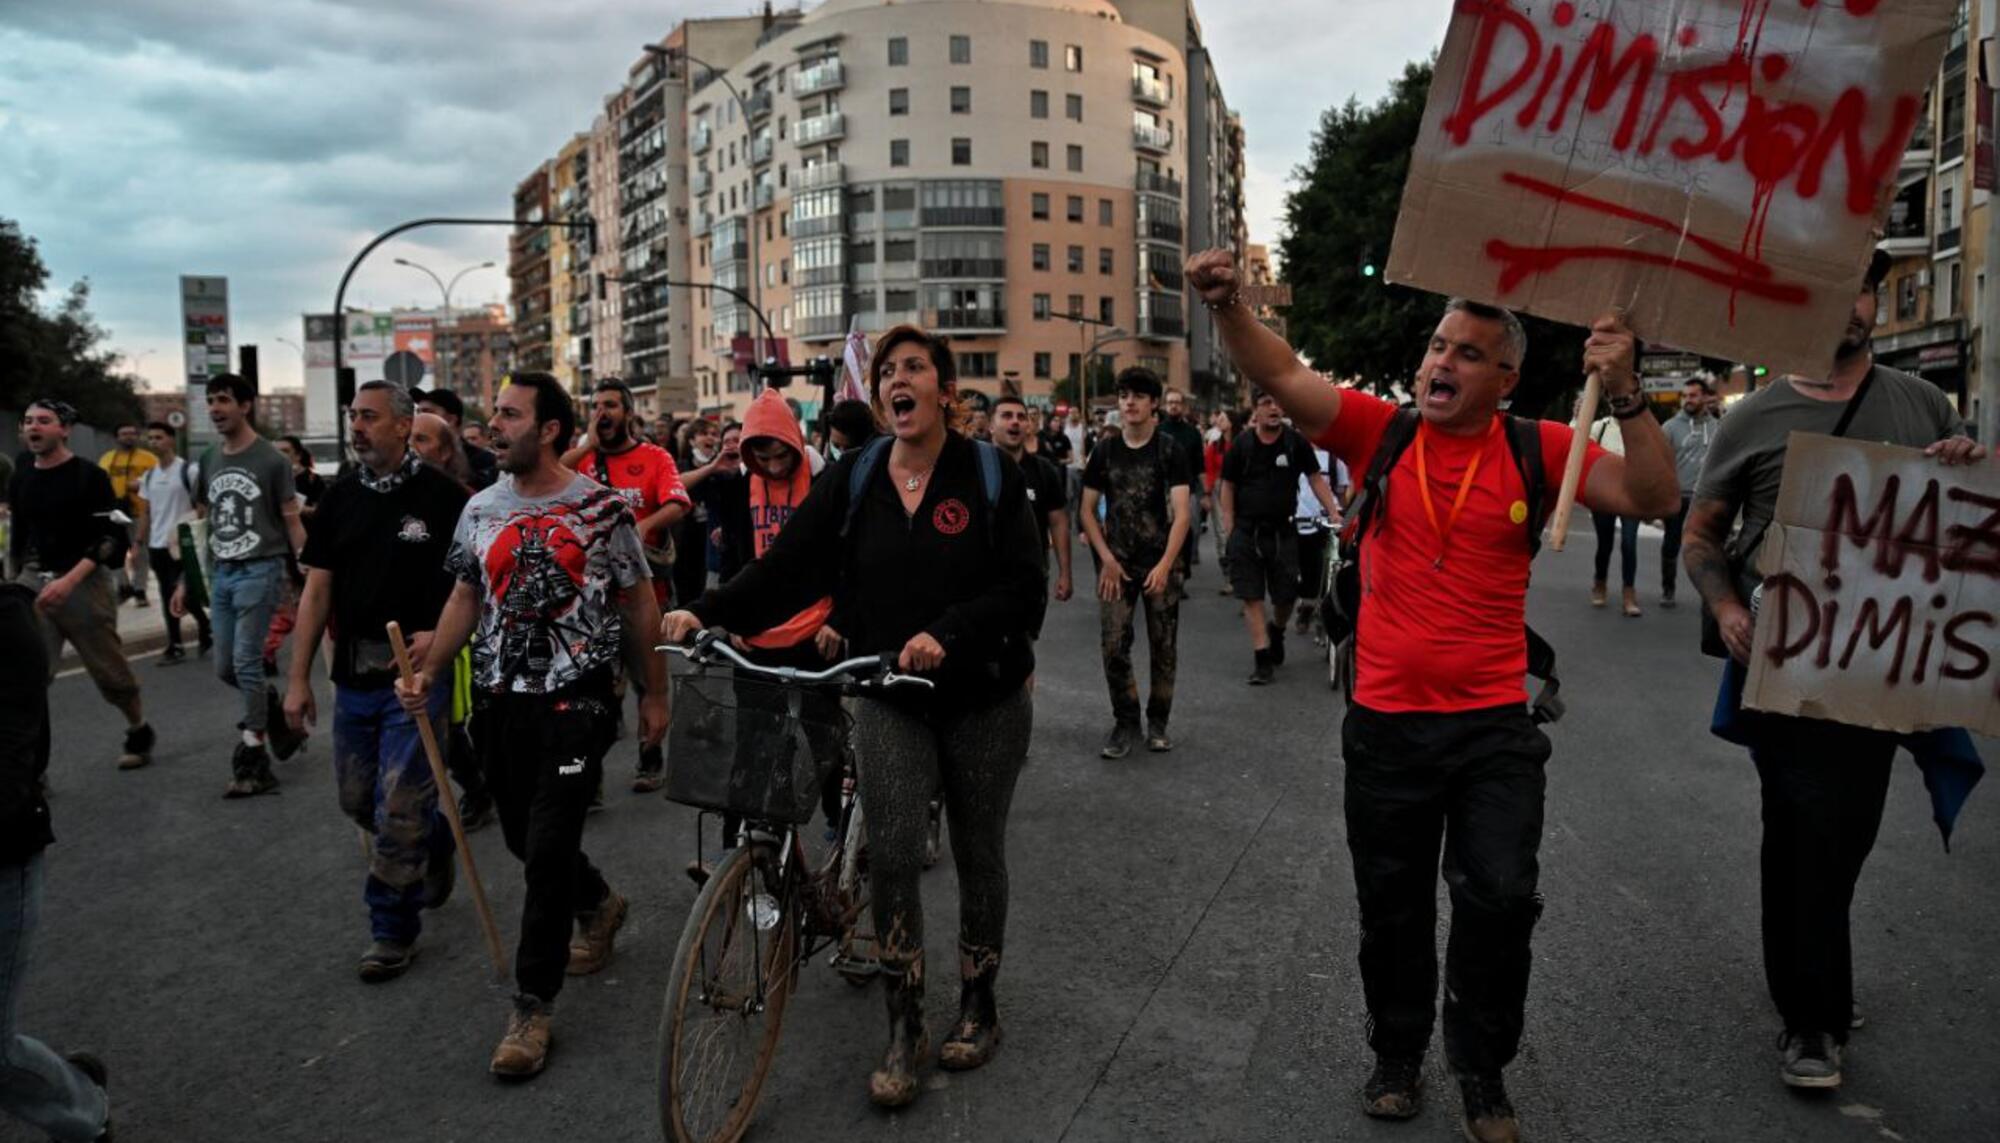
57 351
1341 218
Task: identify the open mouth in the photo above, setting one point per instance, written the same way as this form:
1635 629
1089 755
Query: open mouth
902 405
1440 391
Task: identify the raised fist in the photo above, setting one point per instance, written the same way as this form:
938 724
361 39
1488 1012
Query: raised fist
1212 273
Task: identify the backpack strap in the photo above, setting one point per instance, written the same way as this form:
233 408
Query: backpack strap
871 458
1524 438
989 471
1396 437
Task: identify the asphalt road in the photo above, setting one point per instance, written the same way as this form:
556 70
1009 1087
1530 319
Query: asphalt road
1181 954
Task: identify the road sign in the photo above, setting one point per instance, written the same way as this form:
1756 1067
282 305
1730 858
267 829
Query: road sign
177 419
404 368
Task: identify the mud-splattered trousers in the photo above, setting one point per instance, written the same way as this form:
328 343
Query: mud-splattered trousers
1163 632
905 754
386 787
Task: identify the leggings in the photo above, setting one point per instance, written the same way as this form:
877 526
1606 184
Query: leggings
905 755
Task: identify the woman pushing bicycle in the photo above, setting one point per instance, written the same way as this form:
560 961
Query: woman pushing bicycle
925 541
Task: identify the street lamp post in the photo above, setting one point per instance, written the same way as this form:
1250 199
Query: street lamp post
445 288
668 55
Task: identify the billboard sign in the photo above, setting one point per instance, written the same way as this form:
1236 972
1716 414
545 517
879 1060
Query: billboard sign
204 343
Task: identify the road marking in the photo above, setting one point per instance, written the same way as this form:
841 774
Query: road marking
74 671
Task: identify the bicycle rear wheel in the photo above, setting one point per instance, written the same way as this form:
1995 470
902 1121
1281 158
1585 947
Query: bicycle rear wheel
733 973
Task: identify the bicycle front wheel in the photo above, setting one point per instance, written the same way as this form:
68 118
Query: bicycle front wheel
733 973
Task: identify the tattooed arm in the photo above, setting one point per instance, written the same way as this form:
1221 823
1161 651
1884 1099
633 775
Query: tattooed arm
1703 552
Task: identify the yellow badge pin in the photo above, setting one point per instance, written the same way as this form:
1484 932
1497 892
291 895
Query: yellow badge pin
1518 512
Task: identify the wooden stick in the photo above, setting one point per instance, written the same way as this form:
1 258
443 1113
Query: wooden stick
443 780
1579 440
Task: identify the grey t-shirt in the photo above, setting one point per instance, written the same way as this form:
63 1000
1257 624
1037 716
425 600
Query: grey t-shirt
246 495
1691 438
1747 461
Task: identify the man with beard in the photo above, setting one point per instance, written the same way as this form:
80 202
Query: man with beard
553 579
245 485
1823 783
646 475
374 555
65 545
1048 488
1177 424
702 459
447 404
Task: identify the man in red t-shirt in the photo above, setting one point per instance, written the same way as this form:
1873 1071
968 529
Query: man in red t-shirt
646 475
1439 744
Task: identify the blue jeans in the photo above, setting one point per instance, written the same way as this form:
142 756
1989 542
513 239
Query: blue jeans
386 788
241 599
36 1085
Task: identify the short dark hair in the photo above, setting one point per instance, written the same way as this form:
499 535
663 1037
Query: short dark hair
1007 399
298 444
238 389
123 425
936 347
552 403
1878 270
1141 380
1701 383
618 386
852 419
446 399
160 426
1258 396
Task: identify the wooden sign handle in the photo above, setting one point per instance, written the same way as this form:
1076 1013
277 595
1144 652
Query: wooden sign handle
1579 441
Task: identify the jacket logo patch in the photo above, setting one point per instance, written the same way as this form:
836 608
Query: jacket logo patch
635 470
413 531
951 517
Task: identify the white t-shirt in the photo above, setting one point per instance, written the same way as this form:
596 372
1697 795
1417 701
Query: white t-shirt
1075 435
1309 506
164 488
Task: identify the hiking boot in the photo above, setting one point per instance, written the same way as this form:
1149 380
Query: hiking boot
475 813
1811 1060
138 749
1118 743
1156 738
385 960
1261 674
524 1050
590 949
440 876
1631 604
1489 1116
251 766
894 1084
1277 633
284 741
1599 593
173 656
92 1067
975 1039
1395 1089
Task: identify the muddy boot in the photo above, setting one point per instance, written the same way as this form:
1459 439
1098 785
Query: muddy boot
976 1037
894 1084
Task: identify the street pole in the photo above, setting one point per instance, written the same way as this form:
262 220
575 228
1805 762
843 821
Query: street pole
445 288
1987 425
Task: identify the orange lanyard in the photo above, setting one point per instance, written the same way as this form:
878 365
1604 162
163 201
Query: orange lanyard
1464 488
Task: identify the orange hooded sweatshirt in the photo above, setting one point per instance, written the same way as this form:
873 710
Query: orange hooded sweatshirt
772 503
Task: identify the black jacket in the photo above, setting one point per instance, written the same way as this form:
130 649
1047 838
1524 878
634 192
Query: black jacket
24 728
967 574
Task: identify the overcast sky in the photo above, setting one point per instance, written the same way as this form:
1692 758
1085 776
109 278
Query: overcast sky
268 140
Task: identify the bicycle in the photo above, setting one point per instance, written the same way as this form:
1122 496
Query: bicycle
766 910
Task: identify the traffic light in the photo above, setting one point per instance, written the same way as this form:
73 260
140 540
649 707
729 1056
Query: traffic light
1760 372
1368 267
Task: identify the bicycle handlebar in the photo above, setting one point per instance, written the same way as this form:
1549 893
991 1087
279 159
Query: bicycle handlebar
862 671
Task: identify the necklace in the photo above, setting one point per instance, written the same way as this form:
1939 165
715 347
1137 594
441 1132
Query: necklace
915 482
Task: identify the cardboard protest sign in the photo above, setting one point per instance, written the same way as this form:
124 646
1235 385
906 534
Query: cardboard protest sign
1715 168
1880 604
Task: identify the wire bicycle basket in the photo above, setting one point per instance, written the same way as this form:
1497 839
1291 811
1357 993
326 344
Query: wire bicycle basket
749 746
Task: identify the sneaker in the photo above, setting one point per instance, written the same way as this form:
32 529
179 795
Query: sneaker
524 1050
1261 675
138 747
385 960
475 813
92 1067
141 601
252 768
1489 1115
207 645
1855 1020
1277 644
590 949
1599 594
648 781
1118 743
1667 600
440 875
173 656
1810 1060
284 741
1395 1089
1157 740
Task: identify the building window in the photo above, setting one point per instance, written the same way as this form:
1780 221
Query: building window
1038 105
1039 206
1038 53
1041 256
899 301
861 253
1107 311
1104 260
899 51
961 49
1073 106
1955 272
1104 212
1041 309
1072 57
899 250
979 365
1074 156
961 101
1076 259
899 101
1076 305
899 152
1038 156
1045 365
1076 208
1906 297
961 152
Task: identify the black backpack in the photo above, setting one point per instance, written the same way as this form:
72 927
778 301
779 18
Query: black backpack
1340 605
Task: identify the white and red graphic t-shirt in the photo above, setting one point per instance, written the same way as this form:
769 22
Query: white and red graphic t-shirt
548 569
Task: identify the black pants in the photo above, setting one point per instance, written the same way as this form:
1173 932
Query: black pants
1670 545
1312 565
543 755
690 573
1473 780
1824 785
1628 555
167 570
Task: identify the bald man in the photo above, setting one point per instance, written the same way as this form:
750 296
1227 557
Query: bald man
433 439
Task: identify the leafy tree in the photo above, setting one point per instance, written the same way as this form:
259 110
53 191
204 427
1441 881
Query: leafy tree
54 352
1341 218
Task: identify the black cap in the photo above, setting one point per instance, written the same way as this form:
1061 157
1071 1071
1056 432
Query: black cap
441 397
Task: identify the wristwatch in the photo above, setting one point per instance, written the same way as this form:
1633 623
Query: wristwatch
1625 406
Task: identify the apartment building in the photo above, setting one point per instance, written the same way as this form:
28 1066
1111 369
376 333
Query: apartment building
528 271
570 265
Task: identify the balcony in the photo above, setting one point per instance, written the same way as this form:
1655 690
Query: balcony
989 268
703 223
702 139
758 105
1162 328
821 175
1146 89
767 193
993 319
822 328
1156 183
1161 230
1948 241
984 216
819 129
822 77
760 150
703 182
1149 138
820 276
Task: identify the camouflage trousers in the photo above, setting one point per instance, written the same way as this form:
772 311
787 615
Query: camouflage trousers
1163 626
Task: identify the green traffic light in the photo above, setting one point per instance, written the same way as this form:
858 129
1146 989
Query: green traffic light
1760 371
1368 271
